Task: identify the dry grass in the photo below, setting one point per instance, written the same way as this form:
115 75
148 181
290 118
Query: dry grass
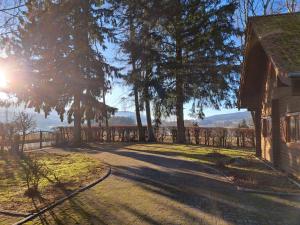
59 174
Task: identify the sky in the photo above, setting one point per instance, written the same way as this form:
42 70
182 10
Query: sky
119 91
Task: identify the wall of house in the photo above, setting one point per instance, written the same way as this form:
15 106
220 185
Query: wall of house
266 112
289 153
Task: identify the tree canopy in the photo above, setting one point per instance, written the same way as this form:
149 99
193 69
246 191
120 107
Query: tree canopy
59 45
176 51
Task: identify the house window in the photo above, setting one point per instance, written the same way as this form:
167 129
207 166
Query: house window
266 127
293 128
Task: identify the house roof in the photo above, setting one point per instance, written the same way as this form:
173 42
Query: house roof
271 39
279 36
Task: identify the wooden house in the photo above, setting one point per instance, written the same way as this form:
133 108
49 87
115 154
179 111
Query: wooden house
270 87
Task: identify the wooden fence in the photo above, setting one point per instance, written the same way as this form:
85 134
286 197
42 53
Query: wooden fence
33 140
218 137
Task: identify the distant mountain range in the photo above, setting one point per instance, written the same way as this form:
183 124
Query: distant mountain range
226 120
222 120
131 115
53 120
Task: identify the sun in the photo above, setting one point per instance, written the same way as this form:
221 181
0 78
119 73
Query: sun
3 79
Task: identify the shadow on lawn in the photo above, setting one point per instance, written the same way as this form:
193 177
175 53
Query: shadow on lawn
34 173
184 182
205 193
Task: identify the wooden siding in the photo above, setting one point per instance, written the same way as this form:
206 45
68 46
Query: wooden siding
267 96
290 152
288 158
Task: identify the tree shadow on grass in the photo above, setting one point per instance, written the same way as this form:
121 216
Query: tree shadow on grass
217 204
227 196
95 148
182 183
211 196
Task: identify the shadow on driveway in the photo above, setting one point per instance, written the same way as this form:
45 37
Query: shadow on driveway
153 188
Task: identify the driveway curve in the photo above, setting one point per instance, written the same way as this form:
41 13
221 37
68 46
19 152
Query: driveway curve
152 188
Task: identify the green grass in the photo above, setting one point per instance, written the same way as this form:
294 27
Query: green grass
59 175
251 174
191 152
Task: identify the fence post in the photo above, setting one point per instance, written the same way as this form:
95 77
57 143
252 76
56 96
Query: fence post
2 143
15 144
196 134
41 139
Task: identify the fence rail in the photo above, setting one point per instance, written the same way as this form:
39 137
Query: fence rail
217 136
33 140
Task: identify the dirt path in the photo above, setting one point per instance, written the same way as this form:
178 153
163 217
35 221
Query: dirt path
157 189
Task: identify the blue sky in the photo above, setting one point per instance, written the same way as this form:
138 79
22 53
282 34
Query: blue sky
119 91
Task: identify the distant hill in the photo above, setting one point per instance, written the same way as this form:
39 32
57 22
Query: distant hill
53 120
121 121
226 120
43 123
130 115
128 118
223 120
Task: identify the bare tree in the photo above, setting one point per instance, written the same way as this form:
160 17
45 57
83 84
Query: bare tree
247 8
24 123
10 11
292 5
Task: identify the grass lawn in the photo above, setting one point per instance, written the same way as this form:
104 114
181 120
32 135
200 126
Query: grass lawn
239 165
56 176
153 184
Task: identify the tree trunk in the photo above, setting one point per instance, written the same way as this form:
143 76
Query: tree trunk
179 112
105 111
138 115
23 140
135 78
89 126
151 137
77 120
79 40
179 90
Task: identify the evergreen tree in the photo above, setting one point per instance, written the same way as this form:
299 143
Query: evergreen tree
58 42
200 57
141 43
127 14
149 56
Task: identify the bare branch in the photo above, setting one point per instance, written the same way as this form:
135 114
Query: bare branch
12 8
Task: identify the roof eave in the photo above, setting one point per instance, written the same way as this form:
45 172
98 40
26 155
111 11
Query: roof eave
294 75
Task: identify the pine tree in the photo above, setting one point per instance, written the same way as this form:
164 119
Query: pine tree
59 41
127 14
200 55
138 22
